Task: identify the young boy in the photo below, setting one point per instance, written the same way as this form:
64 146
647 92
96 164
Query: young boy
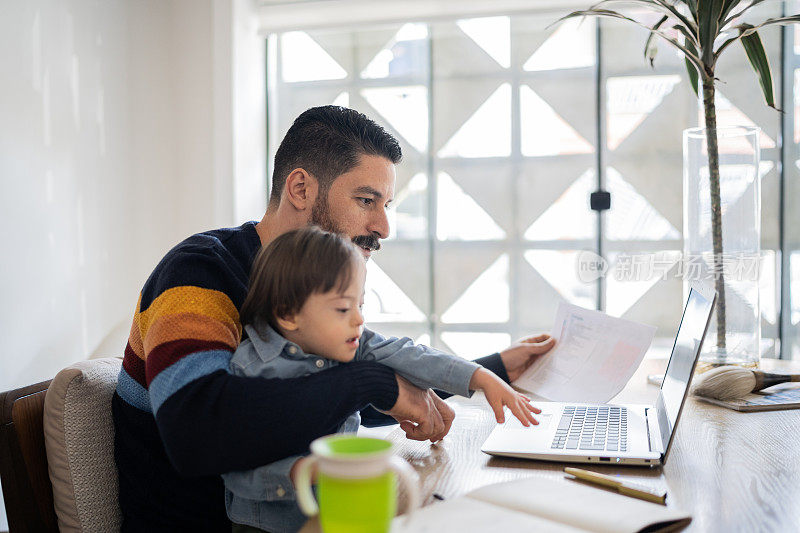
303 315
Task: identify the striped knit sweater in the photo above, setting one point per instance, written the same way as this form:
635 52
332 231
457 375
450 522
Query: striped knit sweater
181 418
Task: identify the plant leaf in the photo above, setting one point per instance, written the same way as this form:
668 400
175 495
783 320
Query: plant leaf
613 14
663 6
758 59
692 4
724 45
670 7
708 14
692 70
689 38
747 29
783 21
650 49
739 13
728 7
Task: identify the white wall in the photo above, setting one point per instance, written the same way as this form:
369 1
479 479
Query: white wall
117 129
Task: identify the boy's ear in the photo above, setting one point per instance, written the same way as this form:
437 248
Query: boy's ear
287 323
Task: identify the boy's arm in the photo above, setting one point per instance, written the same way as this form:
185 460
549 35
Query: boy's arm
425 367
371 417
494 363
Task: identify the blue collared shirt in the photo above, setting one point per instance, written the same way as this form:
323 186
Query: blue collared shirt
264 497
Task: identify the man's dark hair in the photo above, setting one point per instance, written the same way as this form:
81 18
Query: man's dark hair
291 268
328 141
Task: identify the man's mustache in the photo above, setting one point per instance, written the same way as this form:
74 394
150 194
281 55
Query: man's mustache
370 242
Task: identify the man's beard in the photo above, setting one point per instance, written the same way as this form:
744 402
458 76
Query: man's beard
321 216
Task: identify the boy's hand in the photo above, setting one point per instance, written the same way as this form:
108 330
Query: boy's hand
500 394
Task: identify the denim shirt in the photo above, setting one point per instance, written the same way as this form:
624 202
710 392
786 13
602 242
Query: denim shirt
264 497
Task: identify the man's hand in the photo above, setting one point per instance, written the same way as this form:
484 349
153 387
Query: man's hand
421 413
500 394
520 355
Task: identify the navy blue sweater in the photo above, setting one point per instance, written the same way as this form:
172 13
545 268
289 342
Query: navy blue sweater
182 419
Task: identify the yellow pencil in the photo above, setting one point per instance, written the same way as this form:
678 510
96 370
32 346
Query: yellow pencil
623 487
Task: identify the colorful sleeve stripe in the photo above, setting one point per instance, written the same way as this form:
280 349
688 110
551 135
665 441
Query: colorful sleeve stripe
184 371
168 354
183 320
135 337
171 327
130 390
195 300
134 365
133 361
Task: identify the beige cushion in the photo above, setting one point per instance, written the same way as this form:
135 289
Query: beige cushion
79 437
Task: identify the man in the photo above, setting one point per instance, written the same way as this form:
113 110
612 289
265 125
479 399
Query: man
181 418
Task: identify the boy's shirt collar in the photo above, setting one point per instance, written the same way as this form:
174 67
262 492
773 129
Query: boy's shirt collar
268 344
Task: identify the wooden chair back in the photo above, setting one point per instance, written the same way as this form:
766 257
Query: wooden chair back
27 491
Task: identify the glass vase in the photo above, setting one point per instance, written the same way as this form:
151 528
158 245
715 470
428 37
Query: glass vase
734 334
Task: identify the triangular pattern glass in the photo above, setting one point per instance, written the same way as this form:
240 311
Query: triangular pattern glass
471 345
734 181
485 300
642 270
492 34
487 132
544 132
384 301
568 217
730 116
794 276
459 217
767 280
398 57
408 216
406 110
570 46
631 216
303 59
560 269
342 100
797 88
630 99
425 339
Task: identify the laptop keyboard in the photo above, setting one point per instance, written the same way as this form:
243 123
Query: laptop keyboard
592 428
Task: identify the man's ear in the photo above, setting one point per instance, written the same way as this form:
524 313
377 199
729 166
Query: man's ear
301 189
287 323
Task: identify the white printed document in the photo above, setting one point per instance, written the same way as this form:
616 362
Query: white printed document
594 357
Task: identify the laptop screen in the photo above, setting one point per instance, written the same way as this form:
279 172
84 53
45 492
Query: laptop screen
681 365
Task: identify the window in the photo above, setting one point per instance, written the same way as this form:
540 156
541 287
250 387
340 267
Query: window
498 121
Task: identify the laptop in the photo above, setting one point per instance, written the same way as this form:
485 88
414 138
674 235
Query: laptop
621 434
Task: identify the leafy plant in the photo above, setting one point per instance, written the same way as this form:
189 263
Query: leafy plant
702 30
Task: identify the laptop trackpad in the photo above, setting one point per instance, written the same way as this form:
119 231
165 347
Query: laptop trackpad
543 419
513 437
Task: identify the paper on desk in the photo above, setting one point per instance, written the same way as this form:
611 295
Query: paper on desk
594 357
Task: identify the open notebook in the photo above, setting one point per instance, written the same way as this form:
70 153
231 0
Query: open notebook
543 504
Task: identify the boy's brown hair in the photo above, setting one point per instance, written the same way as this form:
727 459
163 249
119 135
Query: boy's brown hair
291 268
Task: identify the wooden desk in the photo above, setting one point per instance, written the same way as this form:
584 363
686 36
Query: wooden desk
732 471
